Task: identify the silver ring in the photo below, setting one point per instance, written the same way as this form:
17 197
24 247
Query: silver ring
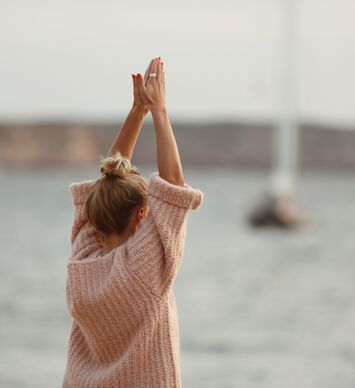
152 74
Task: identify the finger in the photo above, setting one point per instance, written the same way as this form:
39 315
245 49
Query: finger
134 80
135 84
162 72
154 67
159 71
162 76
142 89
146 74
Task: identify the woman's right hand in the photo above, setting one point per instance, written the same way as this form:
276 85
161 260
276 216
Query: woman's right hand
153 91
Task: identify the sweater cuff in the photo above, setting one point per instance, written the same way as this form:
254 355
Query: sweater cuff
182 196
80 190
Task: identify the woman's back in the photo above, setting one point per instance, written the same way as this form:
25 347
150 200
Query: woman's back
125 330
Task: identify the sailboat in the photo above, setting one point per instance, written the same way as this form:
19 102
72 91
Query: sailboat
277 207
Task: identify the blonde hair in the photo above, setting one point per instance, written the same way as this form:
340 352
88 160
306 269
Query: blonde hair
115 196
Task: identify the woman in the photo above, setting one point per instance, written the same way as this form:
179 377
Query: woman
127 242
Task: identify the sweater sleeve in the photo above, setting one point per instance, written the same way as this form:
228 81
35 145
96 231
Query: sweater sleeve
156 248
83 235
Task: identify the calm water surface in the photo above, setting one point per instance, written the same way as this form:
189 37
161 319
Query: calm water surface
256 309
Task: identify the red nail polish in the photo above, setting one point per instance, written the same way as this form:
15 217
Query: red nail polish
139 75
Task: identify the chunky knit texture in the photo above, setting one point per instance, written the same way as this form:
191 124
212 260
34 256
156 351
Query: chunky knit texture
125 330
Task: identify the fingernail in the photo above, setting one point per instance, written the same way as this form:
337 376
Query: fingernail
132 75
139 75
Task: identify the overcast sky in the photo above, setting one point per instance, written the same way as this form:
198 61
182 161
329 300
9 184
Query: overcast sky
74 58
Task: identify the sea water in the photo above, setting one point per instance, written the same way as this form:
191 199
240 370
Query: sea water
257 308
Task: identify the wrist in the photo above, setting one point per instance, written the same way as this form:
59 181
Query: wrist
158 109
141 109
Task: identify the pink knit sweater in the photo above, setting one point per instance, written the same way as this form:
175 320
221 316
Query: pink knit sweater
125 330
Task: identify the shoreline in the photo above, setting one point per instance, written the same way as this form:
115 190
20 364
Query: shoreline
200 144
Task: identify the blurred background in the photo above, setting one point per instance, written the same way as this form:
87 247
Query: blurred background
261 98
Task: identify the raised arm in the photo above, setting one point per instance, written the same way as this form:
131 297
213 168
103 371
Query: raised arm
83 235
153 94
156 249
125 140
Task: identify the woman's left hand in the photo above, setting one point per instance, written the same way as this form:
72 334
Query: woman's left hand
138 102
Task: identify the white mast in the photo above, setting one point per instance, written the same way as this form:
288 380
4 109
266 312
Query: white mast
278 208
285 152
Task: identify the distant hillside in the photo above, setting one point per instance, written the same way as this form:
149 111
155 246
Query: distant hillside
232 144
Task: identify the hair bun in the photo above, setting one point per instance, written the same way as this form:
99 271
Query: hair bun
115 165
